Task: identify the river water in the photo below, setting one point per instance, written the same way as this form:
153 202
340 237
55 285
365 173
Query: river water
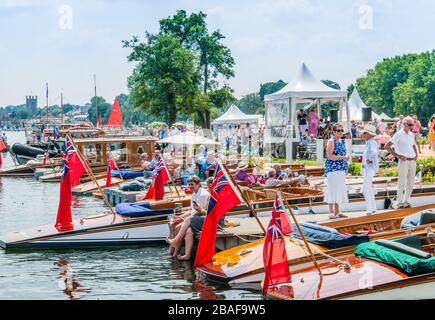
124 273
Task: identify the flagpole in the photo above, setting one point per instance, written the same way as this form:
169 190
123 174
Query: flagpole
111 156
300 231
251 209
172 180
61 106
95 95
89 171
46 108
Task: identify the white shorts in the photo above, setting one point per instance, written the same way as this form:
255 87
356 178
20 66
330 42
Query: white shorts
336 190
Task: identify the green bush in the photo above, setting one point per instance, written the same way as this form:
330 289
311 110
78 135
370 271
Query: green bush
389 172
427 166
355 169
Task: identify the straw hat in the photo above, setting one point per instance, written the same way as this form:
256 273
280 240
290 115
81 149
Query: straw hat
242 165
369 128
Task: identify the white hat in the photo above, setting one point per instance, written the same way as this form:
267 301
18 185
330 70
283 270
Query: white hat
369 128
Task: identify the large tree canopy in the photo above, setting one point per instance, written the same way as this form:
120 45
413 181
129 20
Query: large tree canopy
178 69
271 87
401 85
166 78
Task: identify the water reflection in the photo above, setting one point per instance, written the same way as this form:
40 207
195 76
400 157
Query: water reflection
69 284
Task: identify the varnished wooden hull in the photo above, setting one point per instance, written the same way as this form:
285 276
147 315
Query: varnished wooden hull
230 266
364 280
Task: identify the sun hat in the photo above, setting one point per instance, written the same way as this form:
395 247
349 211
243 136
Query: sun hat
369 128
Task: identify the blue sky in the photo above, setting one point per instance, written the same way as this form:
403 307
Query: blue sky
269 39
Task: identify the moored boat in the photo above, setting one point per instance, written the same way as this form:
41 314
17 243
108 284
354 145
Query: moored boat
395 269
243 265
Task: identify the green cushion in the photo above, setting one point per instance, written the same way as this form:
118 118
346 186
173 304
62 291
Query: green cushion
404 248
407 263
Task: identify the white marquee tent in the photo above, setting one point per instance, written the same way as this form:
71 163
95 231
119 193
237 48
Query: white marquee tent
235 116
281 113
355 108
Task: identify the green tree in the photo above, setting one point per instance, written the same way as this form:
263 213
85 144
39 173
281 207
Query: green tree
376 88
331 84
251 103
271 87
401 85
104 109
165 80
417 94
215 60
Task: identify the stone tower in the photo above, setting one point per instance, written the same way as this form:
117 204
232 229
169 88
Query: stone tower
32 103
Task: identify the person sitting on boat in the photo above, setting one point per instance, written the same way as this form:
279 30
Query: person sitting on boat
155 160
279 173
146 165
274 181
241 174
211 168
185 226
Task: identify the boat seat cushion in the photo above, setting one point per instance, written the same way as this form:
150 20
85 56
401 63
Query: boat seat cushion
140 209
398 246
126 174
412 241
407 263
418 219
327 237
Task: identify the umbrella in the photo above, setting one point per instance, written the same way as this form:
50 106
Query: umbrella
188 138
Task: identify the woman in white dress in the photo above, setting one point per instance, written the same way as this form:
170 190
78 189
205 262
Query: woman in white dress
335 171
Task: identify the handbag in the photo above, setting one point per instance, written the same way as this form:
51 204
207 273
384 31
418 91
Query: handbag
387 201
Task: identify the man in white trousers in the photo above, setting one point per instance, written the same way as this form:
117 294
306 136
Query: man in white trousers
406 151
370 167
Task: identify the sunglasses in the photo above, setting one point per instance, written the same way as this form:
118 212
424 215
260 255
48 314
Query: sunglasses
409 124
339 130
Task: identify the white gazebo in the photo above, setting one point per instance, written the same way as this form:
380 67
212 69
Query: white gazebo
355 108
281 109
235 116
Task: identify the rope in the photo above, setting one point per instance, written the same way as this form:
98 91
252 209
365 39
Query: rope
320 252
222 229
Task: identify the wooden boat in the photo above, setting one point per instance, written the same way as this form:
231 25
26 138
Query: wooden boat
392 270
28 170
125 149
243 265
106 229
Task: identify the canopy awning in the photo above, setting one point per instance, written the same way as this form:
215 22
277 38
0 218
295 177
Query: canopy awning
188 138
235 115
355 108
305 85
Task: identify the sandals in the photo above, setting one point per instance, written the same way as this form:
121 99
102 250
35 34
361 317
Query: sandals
337 216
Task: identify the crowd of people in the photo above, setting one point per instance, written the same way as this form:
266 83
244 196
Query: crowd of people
400 140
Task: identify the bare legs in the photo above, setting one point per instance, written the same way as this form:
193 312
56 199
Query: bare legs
334 211
177 241
188 245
